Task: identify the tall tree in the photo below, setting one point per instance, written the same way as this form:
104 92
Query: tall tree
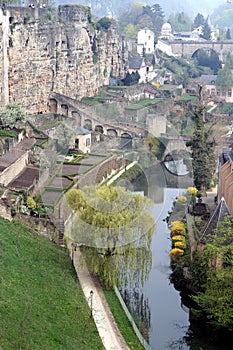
206 32
156 14
199 20
180 22
225 79
115 229
228 34
202 146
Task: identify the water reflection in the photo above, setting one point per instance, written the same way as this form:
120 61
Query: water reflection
158 305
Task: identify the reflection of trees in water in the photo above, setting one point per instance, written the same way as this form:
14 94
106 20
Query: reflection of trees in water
138 306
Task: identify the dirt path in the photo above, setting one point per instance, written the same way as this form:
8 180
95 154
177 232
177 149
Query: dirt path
99 309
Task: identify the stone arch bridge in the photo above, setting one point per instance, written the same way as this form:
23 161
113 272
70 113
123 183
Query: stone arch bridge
185 49
86 117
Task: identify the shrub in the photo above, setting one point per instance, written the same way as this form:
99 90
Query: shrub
192 190
176 253
181 245
31 204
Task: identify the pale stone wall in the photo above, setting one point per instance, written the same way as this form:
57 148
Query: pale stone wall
13 170
156 124
64 55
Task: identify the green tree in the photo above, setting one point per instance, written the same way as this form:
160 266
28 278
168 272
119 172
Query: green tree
224 78
180 22
199 20
105 23
208 58
12 114
115 229
228 34
202 146
215 282
156 15
206 32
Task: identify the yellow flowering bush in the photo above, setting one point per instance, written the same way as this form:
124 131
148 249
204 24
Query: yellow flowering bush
176 253
182 199
192 190
181 245
31 204
177 227
178 238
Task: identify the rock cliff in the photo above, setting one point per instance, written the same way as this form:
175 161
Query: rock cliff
44 51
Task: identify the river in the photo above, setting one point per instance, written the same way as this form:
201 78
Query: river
160 305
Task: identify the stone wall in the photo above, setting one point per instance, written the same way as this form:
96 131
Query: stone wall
9 174
43 227
66 55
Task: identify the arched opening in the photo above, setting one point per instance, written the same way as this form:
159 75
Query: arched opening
53 105
64 110
112 132
99 129
77 117
126 140
87 124
207 57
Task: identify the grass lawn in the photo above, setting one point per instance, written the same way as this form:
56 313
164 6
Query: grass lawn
42 305
122 321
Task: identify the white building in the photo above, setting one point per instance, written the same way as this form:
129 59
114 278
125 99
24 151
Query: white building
165 47
145 41
166 32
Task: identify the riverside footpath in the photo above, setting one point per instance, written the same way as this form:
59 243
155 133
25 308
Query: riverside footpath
99 308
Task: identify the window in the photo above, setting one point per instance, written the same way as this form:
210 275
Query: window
229 93
88 142
149 37
223 92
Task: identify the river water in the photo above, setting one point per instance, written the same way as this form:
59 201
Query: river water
159 303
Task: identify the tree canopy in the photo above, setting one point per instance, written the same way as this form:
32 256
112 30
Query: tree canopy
180 22
199 20
202 146
115 229
139 16
215 283
11 114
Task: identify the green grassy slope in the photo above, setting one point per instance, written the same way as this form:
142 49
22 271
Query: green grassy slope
41 302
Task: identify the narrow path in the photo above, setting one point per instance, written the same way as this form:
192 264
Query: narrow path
99 308
119 173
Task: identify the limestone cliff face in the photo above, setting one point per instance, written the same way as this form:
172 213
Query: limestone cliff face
65 55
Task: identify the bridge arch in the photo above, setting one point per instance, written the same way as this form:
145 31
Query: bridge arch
87 124
53 105
64 109
112 132
99 129
126 135
207 57
76 115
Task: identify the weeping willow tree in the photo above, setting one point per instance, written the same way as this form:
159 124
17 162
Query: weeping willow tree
114 228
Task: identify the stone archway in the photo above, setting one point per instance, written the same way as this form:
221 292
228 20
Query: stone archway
64 109
77 117
53 105
126 140
99 129
207 57
112 132
87 124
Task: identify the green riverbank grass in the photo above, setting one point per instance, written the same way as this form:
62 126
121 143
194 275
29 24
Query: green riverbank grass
42 305
122 321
